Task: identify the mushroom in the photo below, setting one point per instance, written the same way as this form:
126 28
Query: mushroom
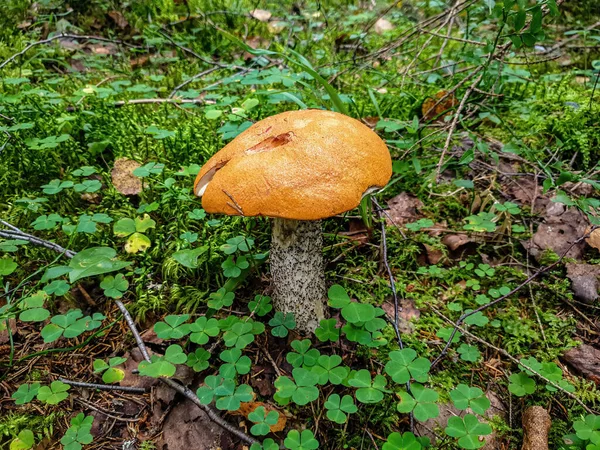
297 168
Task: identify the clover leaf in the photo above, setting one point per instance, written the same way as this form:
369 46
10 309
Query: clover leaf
304 356
327 331
198 360
114 287
235 363
353 312
301 441
301 389
53 394
329 370
338 408
203 329
238 243
79 433
263 421
404 441
468 431
468 353
404 365
26 393
465 397
421 402
239 336
370 390
111 373
233 268
261 305
520 384
282 323
220 299
174 327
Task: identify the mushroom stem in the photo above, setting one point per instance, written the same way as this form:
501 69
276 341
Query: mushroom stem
298 271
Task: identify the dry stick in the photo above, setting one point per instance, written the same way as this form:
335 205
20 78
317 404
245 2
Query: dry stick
183 390
455 120
394 293
103 387
150 101
462 318
36 241
514 360
65 36
190 80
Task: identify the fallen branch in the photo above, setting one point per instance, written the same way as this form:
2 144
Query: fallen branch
103 387
16 233
66 36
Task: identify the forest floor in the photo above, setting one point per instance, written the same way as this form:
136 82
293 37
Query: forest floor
476 267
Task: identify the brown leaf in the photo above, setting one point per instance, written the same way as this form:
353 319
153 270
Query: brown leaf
585 359
249 407
594 238
382 25
536 425
140 61
407 313
118 19
403 209
561 228
585 279
123 178
261 14
434 255
431 111
262 379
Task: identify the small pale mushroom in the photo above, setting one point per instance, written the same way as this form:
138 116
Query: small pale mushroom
297 167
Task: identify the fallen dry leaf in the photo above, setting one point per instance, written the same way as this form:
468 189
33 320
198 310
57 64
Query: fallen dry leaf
585 279
123 178
382 25
276 27
119 19
561 228
261 14
407 313
594 238
247 407
431 111
403 209
585 359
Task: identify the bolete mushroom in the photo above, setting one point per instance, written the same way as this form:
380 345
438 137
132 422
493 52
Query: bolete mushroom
296 167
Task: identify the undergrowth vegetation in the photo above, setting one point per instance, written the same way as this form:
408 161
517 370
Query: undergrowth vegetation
444 324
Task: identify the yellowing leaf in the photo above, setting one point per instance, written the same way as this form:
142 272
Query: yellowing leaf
144 224
137 242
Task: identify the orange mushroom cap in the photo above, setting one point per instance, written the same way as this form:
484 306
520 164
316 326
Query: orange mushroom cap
303 165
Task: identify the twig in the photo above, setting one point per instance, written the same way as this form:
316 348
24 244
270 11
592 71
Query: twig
65 36
462 318
103 387
394 292
194 78
18 234
107 413
514 360
149 101
455 120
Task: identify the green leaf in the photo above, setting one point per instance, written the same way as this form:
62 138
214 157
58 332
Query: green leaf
53 394
304 356
23 441
301 441
94 261
338 408
281 324
220 299
465 397
468 430
114 287
338 298
422 402
198 360
137 242
405 441
469 353
7 266
261 305
520 384
327 331
158 367
189 258
26 393
124 227
174 327
404 365
370 391
203 329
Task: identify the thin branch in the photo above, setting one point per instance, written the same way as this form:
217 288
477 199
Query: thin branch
192 79
18 234
65 36
455 120
150 101
103 387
